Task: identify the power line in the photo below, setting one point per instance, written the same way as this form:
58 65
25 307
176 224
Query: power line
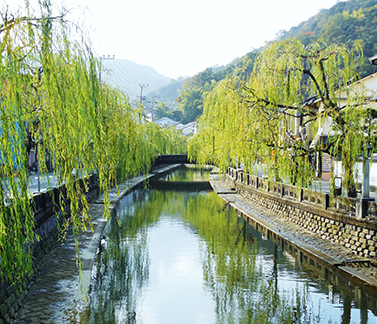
118 71
119 77
119 81
126 72
141 92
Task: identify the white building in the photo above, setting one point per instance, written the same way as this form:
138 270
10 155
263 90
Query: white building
362 93
187 129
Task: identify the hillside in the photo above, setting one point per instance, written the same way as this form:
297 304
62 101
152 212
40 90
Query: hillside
127 76
167 93
344 23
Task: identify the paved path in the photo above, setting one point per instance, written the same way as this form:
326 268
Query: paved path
55 295
45 182
309 242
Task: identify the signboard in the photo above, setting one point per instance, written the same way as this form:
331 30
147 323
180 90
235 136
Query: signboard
326 163
338 182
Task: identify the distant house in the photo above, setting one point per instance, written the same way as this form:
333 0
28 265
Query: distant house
180 126
187 129
373 60
166 122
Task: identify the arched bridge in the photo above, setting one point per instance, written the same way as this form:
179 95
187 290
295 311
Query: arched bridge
173 159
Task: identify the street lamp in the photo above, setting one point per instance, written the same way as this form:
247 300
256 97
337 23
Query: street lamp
366 164
362 205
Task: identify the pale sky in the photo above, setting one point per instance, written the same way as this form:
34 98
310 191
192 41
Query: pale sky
181 38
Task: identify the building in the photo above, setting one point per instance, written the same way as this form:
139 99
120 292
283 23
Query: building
187 129
362 94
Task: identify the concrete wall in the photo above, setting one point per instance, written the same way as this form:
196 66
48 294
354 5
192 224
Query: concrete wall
332 219
46 219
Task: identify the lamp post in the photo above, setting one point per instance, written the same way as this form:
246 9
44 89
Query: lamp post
362 205
366 164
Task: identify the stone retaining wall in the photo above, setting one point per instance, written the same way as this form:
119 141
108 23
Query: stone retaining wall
333 220
45 205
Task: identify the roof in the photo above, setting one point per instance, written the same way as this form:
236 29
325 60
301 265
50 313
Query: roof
186 129
189 128
166 121
373 60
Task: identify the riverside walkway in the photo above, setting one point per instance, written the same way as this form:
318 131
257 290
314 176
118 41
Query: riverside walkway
38 183
333 254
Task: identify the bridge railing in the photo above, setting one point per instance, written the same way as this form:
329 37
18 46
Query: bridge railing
173 159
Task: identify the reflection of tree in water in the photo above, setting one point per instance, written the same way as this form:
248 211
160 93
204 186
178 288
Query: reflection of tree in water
231 273
121 269
122 265
229 258
188 174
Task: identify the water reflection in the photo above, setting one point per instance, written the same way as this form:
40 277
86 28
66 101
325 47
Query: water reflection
187 257
187 173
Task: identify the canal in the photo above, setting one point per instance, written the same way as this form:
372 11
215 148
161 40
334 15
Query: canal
180 254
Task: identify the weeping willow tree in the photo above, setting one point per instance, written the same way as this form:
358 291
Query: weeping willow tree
53 101
271 120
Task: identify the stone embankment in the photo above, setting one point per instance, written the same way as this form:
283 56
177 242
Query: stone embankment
52 293
327 230
48 217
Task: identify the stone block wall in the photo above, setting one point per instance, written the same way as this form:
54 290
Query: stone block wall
45 205
333 220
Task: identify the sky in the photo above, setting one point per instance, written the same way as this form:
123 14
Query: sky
180 37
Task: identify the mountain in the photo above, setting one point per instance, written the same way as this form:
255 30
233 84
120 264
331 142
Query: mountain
344 23
128 76
168 93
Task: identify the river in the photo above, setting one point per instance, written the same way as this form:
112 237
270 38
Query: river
183 255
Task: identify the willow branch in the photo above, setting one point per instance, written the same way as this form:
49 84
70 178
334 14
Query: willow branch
13 21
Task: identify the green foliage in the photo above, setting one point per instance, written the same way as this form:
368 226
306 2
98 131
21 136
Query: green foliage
162 110
252 120
169 93
190 101
167 140
52 99
343 24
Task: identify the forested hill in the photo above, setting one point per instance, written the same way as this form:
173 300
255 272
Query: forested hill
344 23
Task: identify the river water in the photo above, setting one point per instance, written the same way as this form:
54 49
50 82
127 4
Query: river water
185 256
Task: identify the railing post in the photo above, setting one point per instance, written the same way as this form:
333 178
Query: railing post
301 195
325 201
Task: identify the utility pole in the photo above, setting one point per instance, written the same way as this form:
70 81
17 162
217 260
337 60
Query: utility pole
141 92
104 58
